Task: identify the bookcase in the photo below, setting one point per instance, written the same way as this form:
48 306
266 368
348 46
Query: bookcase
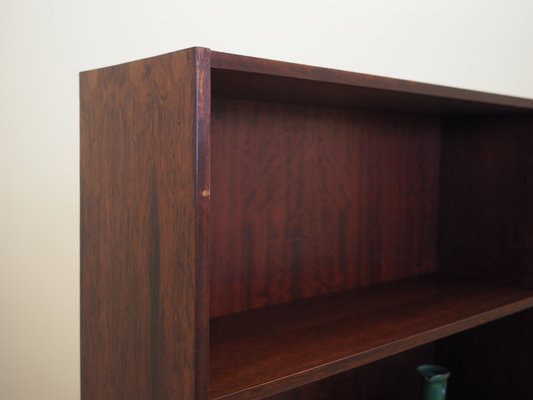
256 229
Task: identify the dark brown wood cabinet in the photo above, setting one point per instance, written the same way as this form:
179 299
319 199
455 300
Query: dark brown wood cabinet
258 229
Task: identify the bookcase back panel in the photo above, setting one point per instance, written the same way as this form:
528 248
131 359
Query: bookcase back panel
307 200
491 362
486 197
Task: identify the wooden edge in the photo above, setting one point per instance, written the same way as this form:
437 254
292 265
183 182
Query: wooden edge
323 371
235 62
227 61
203 199
196 49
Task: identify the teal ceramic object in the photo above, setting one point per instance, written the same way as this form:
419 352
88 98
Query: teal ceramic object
435 381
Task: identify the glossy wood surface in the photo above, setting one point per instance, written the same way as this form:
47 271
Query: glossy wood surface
268 196
309 200
143 330
390 378
256 78
264 352
486 197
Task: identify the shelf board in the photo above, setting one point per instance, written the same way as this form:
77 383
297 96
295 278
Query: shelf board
250 77
263 352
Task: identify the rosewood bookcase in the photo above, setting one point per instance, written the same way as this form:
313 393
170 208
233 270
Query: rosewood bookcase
257 229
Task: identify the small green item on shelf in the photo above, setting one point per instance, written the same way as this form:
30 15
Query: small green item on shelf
435 381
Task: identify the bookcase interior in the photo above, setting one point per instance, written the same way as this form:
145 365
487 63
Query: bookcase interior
335 210
475 358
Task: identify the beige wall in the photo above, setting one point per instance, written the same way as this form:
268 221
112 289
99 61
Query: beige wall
478 44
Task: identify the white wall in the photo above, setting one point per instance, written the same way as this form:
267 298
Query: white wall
479 44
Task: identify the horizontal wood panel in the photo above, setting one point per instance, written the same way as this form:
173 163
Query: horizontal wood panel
390 378
264 352
251 77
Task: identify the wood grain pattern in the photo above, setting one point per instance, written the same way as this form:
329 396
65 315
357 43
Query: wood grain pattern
390 378
486 196
268 195
309 200
143 328
271 350
256 78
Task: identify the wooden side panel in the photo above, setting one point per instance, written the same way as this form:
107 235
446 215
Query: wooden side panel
140 315
486 198
309 200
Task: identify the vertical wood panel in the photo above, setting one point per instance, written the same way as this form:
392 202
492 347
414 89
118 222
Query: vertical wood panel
139 283
527 277
309 200
203 199
486 197
491 362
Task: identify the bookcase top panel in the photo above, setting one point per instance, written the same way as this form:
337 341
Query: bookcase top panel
256 78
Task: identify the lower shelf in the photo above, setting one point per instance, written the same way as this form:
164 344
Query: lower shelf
263 352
